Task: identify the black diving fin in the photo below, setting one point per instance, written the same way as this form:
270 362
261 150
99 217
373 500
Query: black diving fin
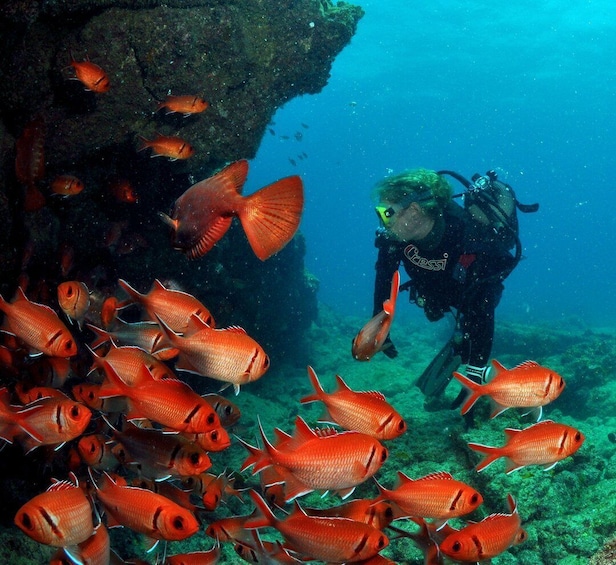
439 372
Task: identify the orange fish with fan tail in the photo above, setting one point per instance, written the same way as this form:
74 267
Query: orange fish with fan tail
172 404
144 511
174 307
333 540
61 516
30 163
321 459
544 443
203 214
366 412
67 185
38 326
185 104
229 355
529 385
437 496
372 336
484 540
74 300
93 77
169 146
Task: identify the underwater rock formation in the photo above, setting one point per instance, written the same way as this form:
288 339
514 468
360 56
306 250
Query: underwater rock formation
246 59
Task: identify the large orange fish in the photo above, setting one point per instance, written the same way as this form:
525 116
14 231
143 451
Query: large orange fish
334 540
144 511
169 146
437 496
38 326
366 412
372 336
203 214
229 355
61 516
55 421
544 443
529 385
74 299
484 540
67 185
185 104
172 404
321 459
174 307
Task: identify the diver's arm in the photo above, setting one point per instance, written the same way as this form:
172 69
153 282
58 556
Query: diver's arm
387 263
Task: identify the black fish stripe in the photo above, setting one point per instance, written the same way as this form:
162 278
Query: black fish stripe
174 454
549 383
372 454
58 418
563 440
49 520
454 503
362 543
53 338
155 519
192 414
478 545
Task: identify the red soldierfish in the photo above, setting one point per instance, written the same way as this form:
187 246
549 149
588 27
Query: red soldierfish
334 540
61 516
74 299
437 496
91 76
483 540
39 326
529 385
544 443
371 337
174 307
186 104
229 355
366 412
321 459
203 214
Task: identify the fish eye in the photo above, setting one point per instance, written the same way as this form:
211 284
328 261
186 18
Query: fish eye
457 546
266 362
577 437
383 455
211 418
68 345
69 291
381 543
178 523
75 411
389 513
26 521
195 458
474 498
401 425
214 436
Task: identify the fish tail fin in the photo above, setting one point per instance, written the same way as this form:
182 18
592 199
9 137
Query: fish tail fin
263 515
319 392
102 336
173 224
491 454
270 217
133 294
145 143
473 389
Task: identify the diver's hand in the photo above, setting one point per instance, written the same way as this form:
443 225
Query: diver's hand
389 348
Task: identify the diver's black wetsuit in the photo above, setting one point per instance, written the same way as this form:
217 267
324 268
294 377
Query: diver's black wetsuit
457 265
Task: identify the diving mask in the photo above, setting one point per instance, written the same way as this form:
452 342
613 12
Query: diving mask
385 214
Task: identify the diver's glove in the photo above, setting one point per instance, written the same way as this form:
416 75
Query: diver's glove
389 348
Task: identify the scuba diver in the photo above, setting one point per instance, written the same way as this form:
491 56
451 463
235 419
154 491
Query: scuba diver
457 257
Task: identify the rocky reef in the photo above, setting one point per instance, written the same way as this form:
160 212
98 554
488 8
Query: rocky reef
246 59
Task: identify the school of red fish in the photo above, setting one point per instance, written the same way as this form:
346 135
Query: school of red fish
139 441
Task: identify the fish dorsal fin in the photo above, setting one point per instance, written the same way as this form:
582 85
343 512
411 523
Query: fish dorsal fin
342 386
528 364
61 485
232 329
211 237
498 367
303 432
20 295
511 432
195 324
375 394
437 475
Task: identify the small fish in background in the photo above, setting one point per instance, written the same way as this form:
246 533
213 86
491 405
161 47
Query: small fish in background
370 339
293 162
528 385
544 443
122 190
484 540
170 146
67 259
272 131
270 216
298 135
60 516
67 185
93 77
74 300
185 104
305 126
30 163
285 137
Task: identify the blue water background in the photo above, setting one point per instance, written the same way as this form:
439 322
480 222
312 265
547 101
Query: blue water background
527 88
